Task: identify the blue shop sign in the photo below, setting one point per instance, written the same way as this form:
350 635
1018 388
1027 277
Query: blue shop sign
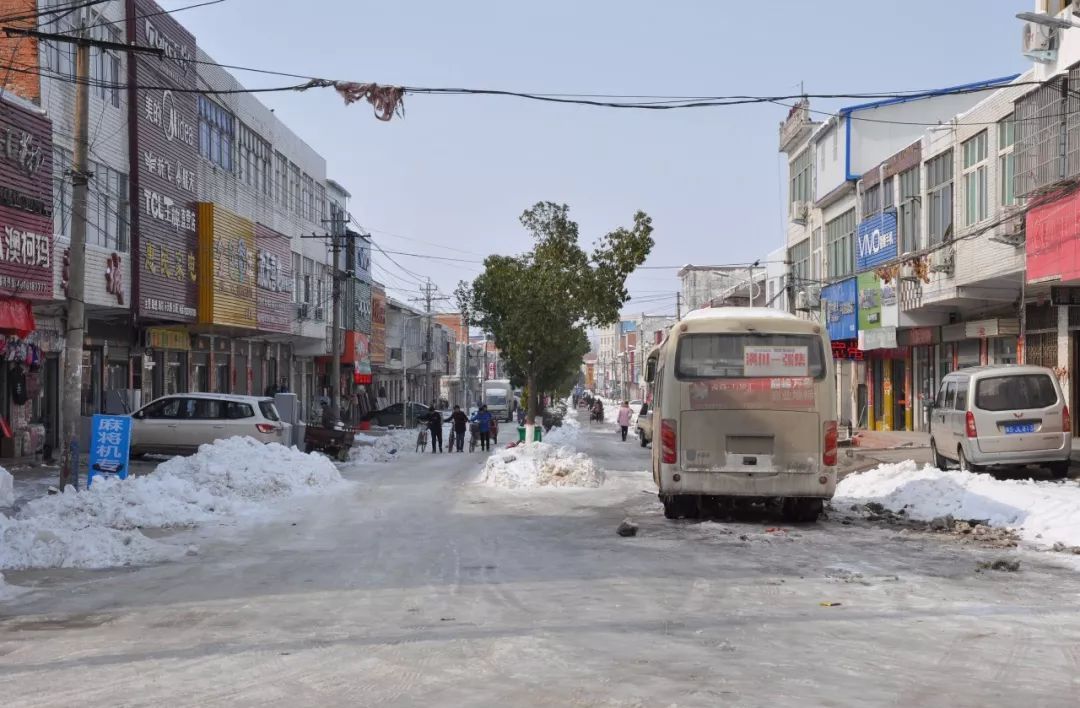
875 241
841 312
110 444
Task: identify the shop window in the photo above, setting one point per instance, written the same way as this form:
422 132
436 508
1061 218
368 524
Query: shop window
840 245
253 163
106 207
976 188
1006 129
939 174
217 133
800 187
968 353
1004 350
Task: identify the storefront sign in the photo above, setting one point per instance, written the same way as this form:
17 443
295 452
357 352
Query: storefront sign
876 241
997 327
775 361
362 306
226 267
880 338
110 446
26 173
918 336
869 301
164 338
378 326
847 349
841 313
274 310
164 162
1052 230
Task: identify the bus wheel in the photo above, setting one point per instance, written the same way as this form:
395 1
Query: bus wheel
802 510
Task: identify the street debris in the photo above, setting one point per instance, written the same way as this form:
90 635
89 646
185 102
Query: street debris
830 604
975 506
1003 564
627 528
541 465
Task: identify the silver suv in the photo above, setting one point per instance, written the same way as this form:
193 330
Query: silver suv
180 423
1001 416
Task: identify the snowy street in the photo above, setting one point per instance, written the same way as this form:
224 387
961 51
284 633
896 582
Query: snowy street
419 586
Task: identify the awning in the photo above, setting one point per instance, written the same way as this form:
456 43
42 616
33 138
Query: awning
16 316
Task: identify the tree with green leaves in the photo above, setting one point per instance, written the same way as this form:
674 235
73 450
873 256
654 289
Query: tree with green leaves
539 305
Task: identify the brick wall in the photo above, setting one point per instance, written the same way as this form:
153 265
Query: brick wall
21 52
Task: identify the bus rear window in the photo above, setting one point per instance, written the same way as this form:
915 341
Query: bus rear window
749 355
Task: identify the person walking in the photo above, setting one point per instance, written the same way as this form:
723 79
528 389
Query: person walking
483 419
495 430
458 422
434 422
624 418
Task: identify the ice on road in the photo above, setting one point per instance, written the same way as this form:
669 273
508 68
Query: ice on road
1044 513
417 586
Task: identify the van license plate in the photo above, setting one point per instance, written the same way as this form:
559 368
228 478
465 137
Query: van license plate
1016 428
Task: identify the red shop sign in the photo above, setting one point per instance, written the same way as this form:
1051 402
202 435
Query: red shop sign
1053 231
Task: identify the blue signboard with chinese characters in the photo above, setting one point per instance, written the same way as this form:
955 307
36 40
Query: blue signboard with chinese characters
875 242
841 311
110 443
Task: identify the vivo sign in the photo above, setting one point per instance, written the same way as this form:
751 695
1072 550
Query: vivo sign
876 241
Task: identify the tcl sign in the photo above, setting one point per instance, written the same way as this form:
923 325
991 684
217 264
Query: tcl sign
1052 230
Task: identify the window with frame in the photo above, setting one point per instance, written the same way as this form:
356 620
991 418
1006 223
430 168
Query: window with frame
815 254
217 133
307 197
1054 7
1006 132
281 181
871 200
298 279
309 278
909 210
976 187
799 258
253 160
294 189
106 202
320 201
888 198
106 75
939 196
840 245
800 187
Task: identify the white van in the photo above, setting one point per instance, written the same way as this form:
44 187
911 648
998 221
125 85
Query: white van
988 416
744 406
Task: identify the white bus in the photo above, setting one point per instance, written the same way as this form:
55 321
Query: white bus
743 406
498 396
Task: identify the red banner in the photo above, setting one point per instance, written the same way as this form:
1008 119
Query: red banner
1053 247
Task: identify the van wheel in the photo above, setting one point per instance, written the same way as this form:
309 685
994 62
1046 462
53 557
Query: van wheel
965 466
802 510
939 461
1059 470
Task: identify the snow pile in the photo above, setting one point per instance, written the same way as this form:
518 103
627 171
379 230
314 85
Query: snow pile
99 527
384 448
7 488
1042 512
247 469
567 433
541 465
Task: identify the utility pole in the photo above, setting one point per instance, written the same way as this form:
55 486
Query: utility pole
337 222
678 305
429 296
75 327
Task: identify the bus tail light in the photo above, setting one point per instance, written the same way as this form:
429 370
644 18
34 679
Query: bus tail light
668 442
828 457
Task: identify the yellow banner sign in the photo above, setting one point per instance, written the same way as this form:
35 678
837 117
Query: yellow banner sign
226 267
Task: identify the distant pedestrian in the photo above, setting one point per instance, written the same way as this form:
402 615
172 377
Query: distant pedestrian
483 419
624 418
458 423
494 430
434 422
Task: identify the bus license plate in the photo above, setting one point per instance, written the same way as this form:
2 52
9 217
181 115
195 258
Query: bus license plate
1017 428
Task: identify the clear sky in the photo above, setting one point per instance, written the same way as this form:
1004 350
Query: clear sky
452 177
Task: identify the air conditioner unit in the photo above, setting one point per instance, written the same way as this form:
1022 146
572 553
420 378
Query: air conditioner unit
1039 42
302 311
807 300
799 212
944 261
907 271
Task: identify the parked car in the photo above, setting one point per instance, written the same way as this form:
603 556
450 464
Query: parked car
644 427
392 415
180 423
1001 416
